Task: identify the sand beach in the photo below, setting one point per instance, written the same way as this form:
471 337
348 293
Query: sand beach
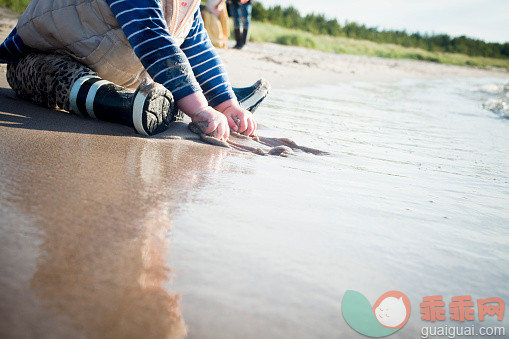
106 234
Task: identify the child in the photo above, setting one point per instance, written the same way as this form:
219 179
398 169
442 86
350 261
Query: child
86 55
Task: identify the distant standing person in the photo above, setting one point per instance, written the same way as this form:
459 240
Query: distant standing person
216 22
240 10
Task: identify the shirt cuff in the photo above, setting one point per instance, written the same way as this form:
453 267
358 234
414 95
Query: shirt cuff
185 91
219 99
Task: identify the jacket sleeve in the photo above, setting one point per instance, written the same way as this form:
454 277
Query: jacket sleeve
12 48
206 64
143 23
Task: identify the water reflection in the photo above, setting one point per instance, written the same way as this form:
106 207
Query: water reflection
102 208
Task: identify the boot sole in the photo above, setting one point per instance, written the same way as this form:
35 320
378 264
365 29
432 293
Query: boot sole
153 109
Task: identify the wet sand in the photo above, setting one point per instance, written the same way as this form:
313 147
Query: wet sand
86 207
85 210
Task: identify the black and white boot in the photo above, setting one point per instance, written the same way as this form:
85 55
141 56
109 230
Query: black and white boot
251 97
149 110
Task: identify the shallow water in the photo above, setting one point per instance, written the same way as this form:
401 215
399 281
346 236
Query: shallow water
413 198
100 229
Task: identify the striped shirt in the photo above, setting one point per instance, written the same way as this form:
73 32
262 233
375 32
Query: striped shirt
193 67
12 48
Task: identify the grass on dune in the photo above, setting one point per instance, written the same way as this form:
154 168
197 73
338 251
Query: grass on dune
15 5
264 32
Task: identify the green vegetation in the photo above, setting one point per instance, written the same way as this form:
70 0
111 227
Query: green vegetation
318 24
264 32
295 40
286 26
16 5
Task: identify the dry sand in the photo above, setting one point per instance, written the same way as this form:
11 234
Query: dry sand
286 66
85 205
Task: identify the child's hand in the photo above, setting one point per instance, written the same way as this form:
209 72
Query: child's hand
216 123
239 119
206 118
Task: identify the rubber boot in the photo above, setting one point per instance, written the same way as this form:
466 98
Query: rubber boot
238 38
245 36
251 97
149 110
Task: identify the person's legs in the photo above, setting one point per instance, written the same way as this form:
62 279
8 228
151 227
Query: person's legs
235 10
46 79
58 81
246 22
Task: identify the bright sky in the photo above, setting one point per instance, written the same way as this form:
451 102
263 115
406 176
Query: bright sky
481 19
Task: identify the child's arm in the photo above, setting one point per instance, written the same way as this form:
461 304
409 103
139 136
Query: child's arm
144 25
211 74
12 48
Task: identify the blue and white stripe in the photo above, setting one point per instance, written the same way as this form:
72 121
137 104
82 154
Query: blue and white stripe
190 68
206 64
12 48
193 67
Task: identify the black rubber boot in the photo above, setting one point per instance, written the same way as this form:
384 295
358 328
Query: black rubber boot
238 38
245 36
149 110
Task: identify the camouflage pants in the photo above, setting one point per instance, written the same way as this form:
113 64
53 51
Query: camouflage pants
46 79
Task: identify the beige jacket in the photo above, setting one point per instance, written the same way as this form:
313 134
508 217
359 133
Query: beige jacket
88 31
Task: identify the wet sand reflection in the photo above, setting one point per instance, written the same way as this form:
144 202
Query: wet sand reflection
99 209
